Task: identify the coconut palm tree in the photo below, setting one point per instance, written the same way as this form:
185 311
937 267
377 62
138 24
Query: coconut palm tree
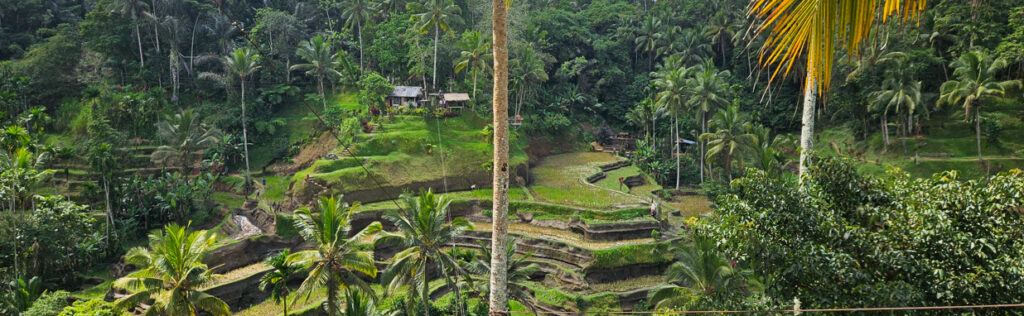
528 70
336 260
184 135
649 37
476 54
975 83
708 89
423 232
702 269
134 9
320 62
899 94
359 304
171 274
730 137
672 95
519 270
437 15
691 46
102 160
358 13
240 63
276 281
499 232
814 28
722 28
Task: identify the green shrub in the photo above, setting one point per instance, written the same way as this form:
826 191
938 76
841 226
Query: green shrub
50 304
286 226
93 307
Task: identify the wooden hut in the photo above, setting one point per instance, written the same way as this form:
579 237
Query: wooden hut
405 96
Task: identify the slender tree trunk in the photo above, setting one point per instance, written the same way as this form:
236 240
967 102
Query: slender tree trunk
474 86
192 49
360 27
323 97
499 239
675 137
703 129
433 81
138 39
728 165
245 139
903 140
284 302
110 214
807 124
425 292
977 134
332 297
885 129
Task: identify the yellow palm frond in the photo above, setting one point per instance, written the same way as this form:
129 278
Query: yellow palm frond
815 27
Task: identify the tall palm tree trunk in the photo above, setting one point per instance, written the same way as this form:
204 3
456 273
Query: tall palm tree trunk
323 96
245 139
284 303
360 27
475 70
977 135
138 39
703 129
675 136
499 233
332 296
807 124
433 81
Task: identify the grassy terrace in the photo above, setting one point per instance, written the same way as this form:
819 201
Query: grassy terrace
405 149
559 179
559 235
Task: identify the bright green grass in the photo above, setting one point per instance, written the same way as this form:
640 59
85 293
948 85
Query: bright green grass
275 189
596 303
230 200
631 254
406 150
612 181
560 178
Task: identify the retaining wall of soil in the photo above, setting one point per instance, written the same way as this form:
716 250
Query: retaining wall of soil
544 249
242 293
248 251
615 231
615 165
479 179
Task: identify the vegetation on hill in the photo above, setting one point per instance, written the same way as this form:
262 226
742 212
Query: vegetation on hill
125 122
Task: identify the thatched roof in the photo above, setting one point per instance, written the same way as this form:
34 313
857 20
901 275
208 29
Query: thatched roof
407 92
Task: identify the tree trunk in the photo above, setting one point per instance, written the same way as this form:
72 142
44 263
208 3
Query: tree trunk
977 135
192 49
332 296
425 291
675 137
499 239
245 139
138 39
903 140
885 129
728 165
433 81
284 302
703 129
323 97
475 70
110 214
807 124
360 27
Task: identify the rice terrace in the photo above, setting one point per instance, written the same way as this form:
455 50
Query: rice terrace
537 157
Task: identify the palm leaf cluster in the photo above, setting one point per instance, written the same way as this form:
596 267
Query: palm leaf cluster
171 275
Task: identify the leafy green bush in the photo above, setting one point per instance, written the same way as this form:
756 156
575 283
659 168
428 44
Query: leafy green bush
285 226
851 240
93 307
50 304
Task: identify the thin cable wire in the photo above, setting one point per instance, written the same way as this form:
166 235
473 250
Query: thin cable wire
802 310
310 108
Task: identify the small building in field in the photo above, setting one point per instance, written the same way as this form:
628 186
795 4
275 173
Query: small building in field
405 96
454 100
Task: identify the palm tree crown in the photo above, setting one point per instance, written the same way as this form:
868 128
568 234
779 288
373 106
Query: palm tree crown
337 259
975 82
423 232
321 62
171 274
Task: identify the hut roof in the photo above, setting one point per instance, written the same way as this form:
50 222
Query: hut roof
407 92
456 97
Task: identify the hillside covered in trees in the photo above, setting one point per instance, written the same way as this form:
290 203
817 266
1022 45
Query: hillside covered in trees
338 157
